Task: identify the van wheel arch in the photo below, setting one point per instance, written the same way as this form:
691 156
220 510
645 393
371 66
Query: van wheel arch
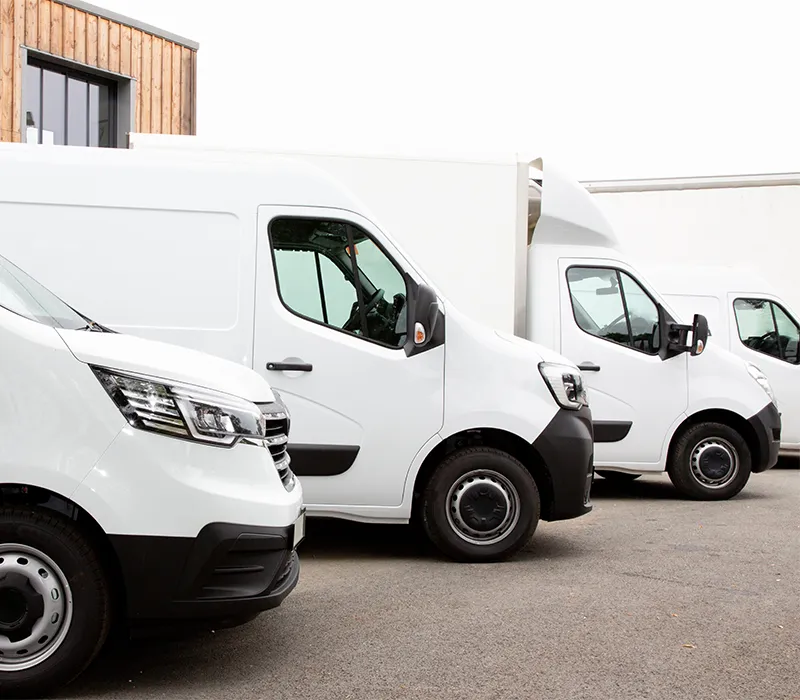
718 415
25 495
498 439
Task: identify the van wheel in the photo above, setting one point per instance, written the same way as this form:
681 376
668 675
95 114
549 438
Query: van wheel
480 505
617 476
710 462
55 605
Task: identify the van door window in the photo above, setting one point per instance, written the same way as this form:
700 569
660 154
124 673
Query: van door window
766 327
610 304
788 334
333 273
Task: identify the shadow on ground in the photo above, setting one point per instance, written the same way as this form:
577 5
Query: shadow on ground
190 662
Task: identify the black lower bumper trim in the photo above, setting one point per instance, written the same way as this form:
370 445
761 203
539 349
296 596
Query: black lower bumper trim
566 447
767 427
227 571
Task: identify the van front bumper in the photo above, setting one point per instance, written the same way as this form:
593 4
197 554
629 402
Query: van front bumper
227 573
566 446
766 425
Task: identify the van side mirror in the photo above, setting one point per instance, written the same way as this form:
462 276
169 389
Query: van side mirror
673 337
426 315
699 334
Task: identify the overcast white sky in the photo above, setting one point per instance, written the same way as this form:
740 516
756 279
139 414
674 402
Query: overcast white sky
611 88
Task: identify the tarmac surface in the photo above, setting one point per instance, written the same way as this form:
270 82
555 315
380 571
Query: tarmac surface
648 596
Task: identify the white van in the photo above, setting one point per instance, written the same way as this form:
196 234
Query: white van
542 262
747 315
135 482
664 397
401 406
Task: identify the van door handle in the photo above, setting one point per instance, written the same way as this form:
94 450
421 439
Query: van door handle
289 367
589 367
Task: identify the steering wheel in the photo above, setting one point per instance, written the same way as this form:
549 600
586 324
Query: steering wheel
758 341
613 323
374 300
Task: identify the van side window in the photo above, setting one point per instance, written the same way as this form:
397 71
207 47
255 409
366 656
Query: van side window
333 273
610 304
766 327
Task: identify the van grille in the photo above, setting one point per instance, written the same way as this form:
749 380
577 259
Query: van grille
277 424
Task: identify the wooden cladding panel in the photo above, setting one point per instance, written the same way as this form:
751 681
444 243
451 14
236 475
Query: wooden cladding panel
6 70
165 72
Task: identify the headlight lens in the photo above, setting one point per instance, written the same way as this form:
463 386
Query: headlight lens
566 384
762 380
183 411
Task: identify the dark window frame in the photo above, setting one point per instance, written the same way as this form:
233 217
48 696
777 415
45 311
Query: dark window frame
616 270
772 305
350 226
90 78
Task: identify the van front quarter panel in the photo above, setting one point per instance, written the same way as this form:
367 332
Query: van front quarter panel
719 379
56 421
493 386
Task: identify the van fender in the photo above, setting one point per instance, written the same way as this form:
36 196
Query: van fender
709 404
479 420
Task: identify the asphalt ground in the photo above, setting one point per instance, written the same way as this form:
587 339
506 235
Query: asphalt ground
648 596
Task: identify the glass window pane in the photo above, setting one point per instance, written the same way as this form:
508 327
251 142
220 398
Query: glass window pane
642 314
297 280
788 335
340 294
32 104
300 243
77 112
387 319
94 115
597 303
54 107
104 117
756 327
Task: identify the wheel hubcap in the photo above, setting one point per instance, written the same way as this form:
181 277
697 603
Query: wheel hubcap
483 507
715 463
35 607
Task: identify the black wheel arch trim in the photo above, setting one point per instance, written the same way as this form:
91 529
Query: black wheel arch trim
322 460
611 430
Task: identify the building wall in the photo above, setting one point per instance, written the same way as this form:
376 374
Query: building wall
164 71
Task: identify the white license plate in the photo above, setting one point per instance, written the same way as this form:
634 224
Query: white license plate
299 529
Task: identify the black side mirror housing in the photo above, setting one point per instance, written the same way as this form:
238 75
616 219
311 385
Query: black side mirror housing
699 334
426 319
426 315
673 337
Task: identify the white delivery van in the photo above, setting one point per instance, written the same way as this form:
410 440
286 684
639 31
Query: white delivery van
135 481
401 406
664 396
522 246
747 315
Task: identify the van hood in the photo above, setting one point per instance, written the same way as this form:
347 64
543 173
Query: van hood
170 363
562 212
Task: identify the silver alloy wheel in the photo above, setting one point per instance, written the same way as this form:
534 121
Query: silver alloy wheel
483 507
35 607
714 463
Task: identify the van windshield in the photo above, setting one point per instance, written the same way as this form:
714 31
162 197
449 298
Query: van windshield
23 295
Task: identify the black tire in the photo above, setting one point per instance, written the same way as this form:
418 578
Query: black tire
498 472
617 476
688 479
60 540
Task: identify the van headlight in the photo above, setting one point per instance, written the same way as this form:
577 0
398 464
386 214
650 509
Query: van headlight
566 384
183 411
762 380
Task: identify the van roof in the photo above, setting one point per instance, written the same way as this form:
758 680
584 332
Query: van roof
708 280
114 176
236 144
